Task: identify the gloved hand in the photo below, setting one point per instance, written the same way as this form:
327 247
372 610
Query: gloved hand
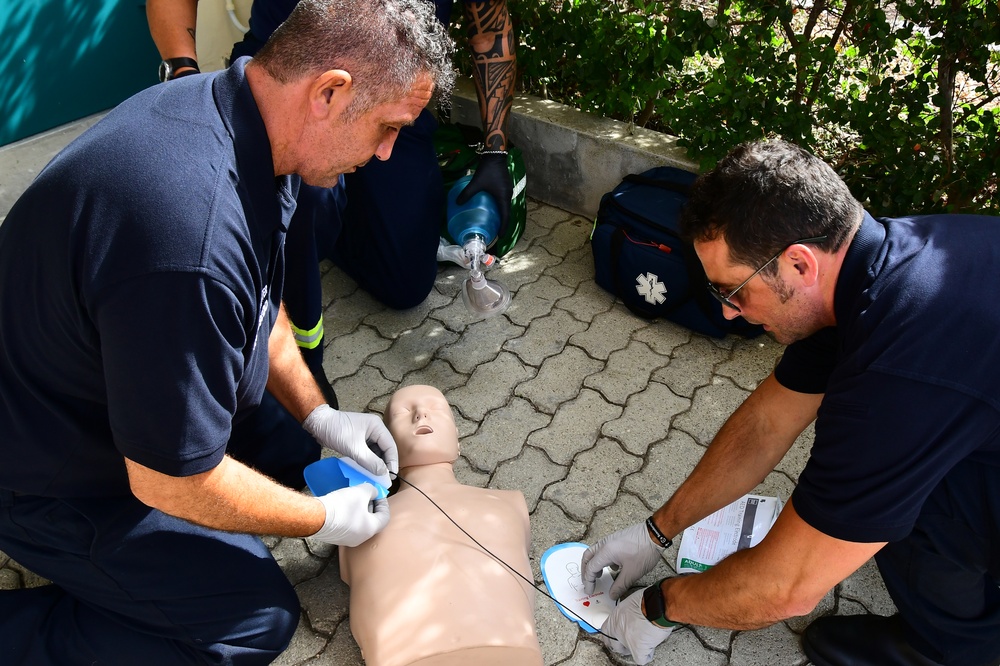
348 520
636 636
631 548
492 177
349 434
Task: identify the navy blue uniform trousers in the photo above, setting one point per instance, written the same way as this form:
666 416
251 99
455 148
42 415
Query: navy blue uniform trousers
132 585
944 576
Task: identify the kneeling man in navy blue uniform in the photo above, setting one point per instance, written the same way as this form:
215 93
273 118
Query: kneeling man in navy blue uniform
140 322
893 351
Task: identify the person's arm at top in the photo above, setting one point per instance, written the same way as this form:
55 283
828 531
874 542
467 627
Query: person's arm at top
172 26
746 449
491 40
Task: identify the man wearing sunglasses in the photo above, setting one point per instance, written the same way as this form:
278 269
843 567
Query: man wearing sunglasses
894 355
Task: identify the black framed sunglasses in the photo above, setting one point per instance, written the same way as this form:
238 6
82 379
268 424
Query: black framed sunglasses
726 299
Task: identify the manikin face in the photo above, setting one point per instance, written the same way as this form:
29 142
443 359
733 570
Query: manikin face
421 422
778 304
342 146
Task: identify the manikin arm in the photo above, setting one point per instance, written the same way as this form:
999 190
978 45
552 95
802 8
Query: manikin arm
172 26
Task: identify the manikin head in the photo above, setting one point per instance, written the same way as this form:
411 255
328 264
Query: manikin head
420 420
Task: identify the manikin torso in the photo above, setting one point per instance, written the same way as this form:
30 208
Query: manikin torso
422 593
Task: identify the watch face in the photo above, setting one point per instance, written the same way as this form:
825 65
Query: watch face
164 70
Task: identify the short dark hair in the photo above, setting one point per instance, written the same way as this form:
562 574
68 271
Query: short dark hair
384 44
764 195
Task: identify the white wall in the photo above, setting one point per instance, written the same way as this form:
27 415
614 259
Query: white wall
216 32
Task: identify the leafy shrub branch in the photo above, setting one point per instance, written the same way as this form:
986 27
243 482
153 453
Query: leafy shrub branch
902 97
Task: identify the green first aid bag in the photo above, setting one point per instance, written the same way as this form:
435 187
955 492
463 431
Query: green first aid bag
456 146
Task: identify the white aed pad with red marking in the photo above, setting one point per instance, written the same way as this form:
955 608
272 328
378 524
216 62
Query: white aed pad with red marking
561 572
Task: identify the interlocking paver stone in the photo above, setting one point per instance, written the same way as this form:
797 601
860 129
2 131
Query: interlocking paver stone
393 323
480 343
593 479
664 337
536 300
566 237
691 366
772 646
324 598
588 301
413 349
559 379
608 332
545 337
550 525
344 355
575 426
626 373
523 267
502 434
750 361
646 418
668 463
438 373
683 647
575 270
866 588
710 408
530 473
355 393
296 561
490 386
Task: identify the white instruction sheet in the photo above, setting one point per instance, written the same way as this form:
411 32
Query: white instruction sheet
561 572
742 524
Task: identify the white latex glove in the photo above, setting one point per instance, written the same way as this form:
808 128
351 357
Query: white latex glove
348 520
632 549
349 433
636 636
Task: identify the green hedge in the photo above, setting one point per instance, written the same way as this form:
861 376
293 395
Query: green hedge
901 97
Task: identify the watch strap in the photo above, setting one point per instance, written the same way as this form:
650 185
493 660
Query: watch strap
171 65
655 606
655 531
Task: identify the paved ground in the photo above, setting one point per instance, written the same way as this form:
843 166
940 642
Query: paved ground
594 414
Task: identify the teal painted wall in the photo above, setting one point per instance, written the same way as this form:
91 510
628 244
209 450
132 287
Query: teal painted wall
62 60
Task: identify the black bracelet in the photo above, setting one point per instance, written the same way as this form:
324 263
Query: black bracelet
651 526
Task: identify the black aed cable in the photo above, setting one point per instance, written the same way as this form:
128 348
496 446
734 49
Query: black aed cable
490 553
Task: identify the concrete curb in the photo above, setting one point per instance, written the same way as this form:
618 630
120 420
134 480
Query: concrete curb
572 157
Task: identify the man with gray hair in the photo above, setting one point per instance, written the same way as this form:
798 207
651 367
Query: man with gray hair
140 320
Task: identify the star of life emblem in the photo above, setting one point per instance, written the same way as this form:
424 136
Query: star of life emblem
649 287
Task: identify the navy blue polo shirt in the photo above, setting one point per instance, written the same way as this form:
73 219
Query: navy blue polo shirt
140 276
911 373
